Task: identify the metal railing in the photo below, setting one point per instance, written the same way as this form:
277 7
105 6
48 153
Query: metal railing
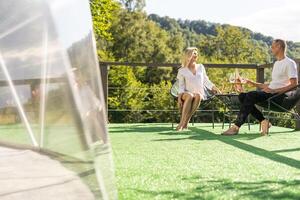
105 66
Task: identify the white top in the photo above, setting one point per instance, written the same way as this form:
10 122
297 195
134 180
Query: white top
283 71
188 82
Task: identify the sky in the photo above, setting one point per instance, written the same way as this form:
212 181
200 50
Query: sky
72 19
276 18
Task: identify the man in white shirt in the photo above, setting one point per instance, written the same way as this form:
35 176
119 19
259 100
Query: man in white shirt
284 78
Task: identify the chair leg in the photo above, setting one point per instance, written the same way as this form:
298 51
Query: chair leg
173 118
229 119
223 124
213 119
297 120
174 114
248 119
268 118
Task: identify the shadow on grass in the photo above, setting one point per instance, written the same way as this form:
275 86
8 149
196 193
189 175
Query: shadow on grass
140 129
157 128
224 188
288 131
286 150
200 134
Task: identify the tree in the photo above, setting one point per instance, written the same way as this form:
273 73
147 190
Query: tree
103 15
134 5
232 45
138 39
126 93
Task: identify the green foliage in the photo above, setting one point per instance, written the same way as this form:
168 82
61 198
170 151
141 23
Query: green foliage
294 49
127 34
231 45
136 39
194 29
160 99
102 12
125 93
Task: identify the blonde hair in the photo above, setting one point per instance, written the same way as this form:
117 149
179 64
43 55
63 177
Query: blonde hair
187 55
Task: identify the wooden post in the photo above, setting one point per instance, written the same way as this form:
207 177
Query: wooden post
298 105
104 78
260 75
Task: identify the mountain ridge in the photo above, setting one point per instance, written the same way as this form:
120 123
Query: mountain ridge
202 27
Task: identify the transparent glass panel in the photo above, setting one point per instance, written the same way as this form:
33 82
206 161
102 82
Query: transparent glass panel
51 99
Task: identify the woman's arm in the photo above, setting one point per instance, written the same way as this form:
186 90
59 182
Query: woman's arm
181 87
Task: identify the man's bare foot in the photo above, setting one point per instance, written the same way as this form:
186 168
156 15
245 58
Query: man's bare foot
234 130
185 127
265 125
179 127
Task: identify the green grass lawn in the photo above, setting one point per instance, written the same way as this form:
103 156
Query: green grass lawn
154 162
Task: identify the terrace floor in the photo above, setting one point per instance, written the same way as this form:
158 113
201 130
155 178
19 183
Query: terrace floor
154 162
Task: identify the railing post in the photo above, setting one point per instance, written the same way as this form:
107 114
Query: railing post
104 78
298 105
260 74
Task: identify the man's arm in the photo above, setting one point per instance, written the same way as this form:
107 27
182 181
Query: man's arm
258 85
293 83
292 72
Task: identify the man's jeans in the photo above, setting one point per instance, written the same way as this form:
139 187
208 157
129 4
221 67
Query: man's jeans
248 101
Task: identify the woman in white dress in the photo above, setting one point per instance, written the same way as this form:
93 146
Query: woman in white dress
192 82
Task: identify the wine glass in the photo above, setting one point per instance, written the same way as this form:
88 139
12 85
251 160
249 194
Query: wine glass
243 79
232 78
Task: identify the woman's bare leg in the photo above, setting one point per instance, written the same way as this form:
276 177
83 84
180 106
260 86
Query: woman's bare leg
195 105
186 109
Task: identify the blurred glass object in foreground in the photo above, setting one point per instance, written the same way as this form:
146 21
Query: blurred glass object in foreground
51 98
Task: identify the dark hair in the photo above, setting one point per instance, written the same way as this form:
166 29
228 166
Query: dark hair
282 44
